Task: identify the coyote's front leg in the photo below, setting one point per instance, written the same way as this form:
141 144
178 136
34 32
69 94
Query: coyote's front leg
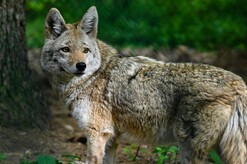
96 143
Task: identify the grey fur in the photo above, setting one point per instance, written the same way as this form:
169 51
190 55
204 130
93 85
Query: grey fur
138 99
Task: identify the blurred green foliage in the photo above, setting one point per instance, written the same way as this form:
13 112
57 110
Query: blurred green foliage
201 24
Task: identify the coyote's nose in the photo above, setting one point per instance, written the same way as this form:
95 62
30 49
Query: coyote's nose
81 66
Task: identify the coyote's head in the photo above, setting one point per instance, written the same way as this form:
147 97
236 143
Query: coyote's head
70 49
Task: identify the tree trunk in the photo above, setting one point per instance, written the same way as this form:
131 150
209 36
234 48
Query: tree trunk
21 105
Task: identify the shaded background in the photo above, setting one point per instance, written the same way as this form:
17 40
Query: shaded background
205 31
199 24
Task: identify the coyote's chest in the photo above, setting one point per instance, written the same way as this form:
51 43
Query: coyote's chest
81 111
79 103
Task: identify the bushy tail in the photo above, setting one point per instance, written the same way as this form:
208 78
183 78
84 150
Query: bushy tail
234 141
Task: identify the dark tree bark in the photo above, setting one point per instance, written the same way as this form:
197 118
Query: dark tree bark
21 105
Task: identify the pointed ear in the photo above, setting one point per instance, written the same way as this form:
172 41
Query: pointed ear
89 22
54 24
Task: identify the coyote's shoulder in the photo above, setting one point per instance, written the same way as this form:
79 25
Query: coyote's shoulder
138 99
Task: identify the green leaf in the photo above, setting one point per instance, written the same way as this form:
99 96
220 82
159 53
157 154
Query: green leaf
46 159
215 157
160 149
157 150
3 156
126 150
173 149
162 159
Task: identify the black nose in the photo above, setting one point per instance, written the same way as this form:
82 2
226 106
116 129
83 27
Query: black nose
81 66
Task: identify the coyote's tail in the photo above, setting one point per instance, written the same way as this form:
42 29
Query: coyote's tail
233 145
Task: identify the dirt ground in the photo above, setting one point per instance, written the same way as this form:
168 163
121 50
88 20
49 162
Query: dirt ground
65 138
62 138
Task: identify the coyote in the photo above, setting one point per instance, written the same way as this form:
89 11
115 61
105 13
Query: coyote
141 100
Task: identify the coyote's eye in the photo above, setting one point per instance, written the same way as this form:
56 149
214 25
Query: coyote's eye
65 49
86 50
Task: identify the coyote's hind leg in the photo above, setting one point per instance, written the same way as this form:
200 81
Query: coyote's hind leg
198 132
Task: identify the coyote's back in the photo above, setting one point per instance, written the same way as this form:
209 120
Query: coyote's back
138 99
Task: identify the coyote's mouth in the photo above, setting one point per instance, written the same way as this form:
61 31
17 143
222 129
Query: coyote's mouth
78 73
75 73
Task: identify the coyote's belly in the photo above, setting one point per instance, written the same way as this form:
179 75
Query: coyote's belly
157 134
143 115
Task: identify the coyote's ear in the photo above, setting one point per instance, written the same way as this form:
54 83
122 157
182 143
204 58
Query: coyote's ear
54 24
89 22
